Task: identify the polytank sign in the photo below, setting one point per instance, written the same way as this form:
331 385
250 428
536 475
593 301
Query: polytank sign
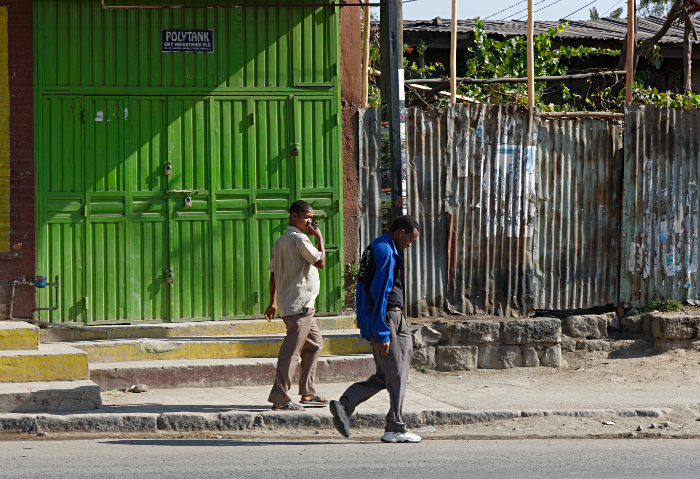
164 177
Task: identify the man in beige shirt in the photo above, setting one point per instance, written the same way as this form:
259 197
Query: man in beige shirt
294 286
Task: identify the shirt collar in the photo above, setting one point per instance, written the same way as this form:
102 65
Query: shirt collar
390 241
294 229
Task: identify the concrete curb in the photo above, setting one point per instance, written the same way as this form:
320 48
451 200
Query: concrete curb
248 421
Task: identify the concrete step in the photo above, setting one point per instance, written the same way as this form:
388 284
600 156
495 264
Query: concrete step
210 373
49 396
191 329
212 347
18 335
51 362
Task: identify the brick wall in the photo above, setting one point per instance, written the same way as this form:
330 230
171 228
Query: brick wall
21 160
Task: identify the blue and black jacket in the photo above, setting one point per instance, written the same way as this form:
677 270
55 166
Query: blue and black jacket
375 281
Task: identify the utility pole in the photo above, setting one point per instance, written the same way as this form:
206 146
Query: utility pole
391 51
530 54
365 57
629 75
453 54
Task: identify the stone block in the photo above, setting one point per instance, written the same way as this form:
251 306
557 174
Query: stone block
424 357
524 331
587 326
494 356
477 332
530 358
456 358
613 321
632 324
552 357
673 326
424 336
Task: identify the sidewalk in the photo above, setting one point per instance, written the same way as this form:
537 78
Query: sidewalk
542 401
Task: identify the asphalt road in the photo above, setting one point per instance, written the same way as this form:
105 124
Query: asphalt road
194 458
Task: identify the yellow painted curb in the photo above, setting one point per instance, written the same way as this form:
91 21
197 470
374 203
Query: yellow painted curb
254 348
175 330
19 339
22 368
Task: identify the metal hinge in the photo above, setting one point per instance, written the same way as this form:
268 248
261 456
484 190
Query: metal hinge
83 117
85 211
85 302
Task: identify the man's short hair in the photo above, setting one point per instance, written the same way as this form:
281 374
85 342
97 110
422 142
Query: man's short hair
300 207
406 223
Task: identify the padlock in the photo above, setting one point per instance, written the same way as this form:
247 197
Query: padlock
168 169
188 201
170 278
295 149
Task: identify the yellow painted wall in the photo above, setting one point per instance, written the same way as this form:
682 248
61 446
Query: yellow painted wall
4 135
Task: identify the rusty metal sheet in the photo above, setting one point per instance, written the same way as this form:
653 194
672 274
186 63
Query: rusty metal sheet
370 175
490 205
660 205
426 170
576 252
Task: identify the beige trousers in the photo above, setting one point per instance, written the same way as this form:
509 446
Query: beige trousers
303 341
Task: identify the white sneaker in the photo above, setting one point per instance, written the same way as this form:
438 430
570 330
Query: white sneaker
341 421
400 437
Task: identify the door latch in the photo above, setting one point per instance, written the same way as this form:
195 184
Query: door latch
295 149
168 169
170 277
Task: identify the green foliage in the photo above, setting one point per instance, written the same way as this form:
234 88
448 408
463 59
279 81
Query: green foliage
617 13
668 306
353 270
508 58
593 12
423 369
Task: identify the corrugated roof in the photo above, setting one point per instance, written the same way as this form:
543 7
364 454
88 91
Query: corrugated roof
603 29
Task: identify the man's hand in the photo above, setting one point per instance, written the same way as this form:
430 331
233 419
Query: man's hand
383 348
270 312
315 231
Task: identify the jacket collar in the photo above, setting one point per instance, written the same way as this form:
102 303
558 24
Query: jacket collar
387 239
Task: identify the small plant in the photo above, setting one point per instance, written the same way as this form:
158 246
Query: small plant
115 393
423 369
667 306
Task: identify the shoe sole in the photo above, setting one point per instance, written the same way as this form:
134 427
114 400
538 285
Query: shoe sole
337 423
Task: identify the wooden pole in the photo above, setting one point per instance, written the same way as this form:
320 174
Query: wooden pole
630 51
530 54
365 56
453 55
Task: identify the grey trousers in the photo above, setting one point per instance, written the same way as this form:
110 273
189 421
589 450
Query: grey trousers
392 374
303 342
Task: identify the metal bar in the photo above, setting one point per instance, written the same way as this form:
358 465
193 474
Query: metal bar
453 54
300 5
54 308
485 81
530 54
581 114
630 50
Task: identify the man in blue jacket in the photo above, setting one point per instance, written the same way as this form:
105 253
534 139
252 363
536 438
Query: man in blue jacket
382 321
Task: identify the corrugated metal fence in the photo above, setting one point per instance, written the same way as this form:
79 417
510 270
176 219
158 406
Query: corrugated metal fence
660 205
519 214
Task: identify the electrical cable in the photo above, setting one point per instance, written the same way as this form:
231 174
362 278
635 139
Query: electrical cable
546 6
619 1
521 11
581 8
514 5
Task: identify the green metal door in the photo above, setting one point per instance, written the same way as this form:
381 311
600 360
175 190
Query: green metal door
112 110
